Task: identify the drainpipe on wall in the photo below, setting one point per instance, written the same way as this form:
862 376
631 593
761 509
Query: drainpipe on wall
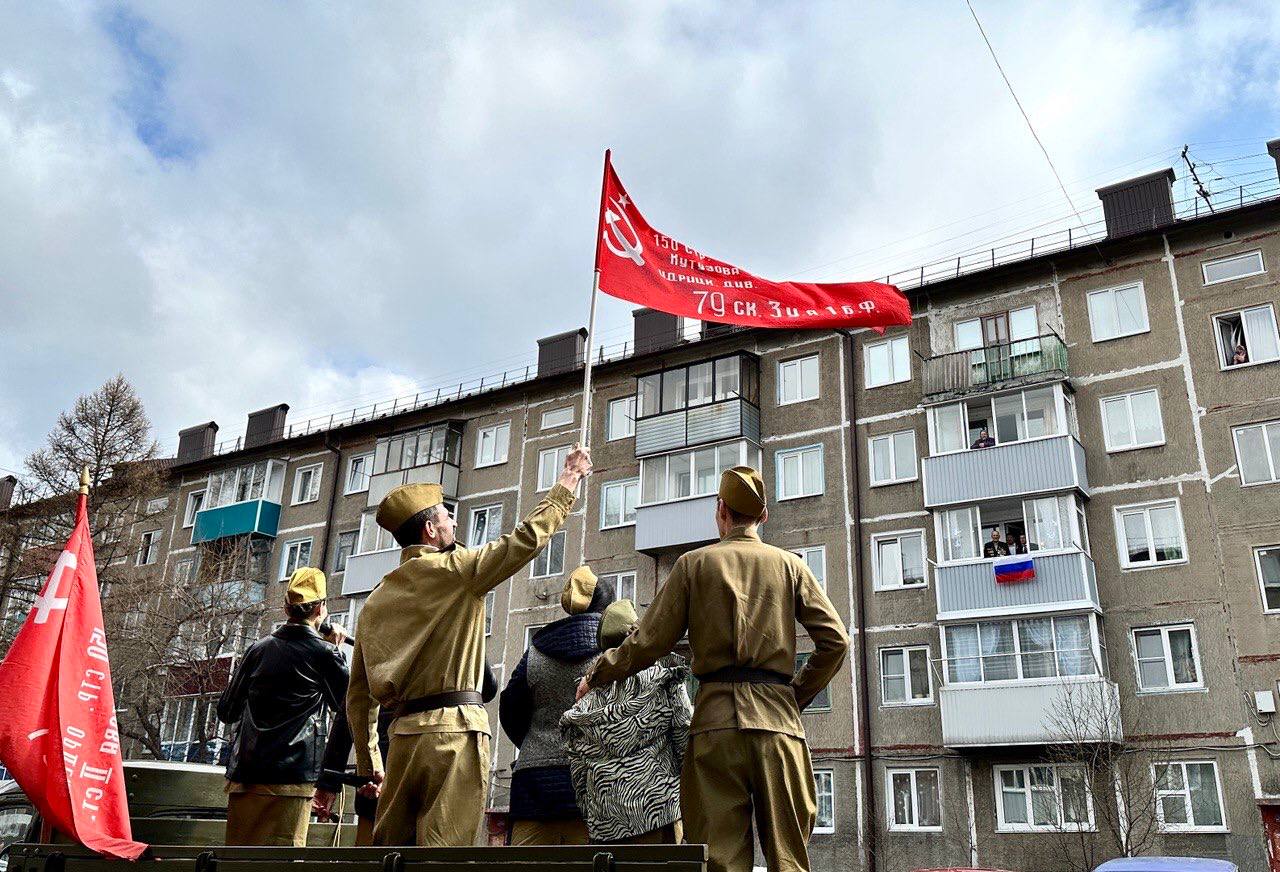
333 502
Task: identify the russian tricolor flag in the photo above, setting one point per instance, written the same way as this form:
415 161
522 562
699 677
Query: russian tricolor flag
1011 570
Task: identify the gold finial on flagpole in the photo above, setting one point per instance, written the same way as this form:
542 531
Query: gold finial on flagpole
84 480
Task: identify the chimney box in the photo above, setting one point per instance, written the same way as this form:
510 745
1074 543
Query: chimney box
265 425
655 330
1273 149
7 484
196 443
562 352
1144 203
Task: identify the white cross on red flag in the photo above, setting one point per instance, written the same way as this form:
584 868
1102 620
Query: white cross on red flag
58 733
642 265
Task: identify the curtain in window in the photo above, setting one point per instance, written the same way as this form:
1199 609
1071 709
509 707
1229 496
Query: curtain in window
1180 651
1071 637
998 661
1260 329
1035 636
1203 787
963 664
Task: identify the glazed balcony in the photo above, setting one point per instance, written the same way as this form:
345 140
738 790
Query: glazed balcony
681 524
697 404
1021 363
1043 465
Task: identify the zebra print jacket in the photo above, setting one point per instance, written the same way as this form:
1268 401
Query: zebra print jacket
626 744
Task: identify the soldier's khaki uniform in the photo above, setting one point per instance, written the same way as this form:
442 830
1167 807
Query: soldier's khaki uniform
421 633
740 600
269 814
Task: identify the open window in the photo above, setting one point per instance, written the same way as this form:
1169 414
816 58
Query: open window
1247 336
990 421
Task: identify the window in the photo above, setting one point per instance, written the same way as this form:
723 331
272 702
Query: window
1268 562
618 503
296 555
1117 312
1238 266
1150 535
486 525
1043 798
887 362
373 537
1034 524
821 702
622 419
799 472
996 330
824 784
624 585
263 480
815 557
195 502
1167 658
904 676
692 473
1246 337
441 443
358 469
695 385
1258 452
490 603
1027 648
915 799
1132 421
893 457
159 504
550 560
189 729
306 484
557 418
550 463
491 445
897 560
148 548
798 380
184 572
998 420
1188 796
345 548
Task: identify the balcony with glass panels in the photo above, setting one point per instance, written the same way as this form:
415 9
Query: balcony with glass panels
699 403
678 494
243 500
994 367
430 455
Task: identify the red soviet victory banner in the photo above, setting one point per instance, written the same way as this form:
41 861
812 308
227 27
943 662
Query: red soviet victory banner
58 733
645 266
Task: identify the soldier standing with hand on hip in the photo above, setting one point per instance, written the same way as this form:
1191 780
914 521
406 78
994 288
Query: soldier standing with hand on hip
420 652
740 600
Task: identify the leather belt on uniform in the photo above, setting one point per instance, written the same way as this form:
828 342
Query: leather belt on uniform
744 675
436 701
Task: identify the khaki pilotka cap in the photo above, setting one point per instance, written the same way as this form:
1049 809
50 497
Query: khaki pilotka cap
405 501
306 585
578 591
616 624
742 489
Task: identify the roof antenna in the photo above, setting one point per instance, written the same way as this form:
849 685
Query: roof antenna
1200 188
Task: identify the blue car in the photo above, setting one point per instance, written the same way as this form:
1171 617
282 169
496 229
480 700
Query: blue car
1167 864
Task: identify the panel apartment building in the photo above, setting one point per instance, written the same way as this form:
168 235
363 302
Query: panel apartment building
1111 407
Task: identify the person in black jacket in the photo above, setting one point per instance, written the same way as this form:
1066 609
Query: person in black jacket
278 696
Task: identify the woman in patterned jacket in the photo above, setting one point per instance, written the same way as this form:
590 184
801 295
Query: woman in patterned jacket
626 744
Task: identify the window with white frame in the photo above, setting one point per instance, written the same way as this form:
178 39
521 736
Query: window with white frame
1034 524
490 603
998 420
824 783
1247 336
373 537
1189 796
550 560
491 444
815 557
905 678
1268 563
158 505
306 484
1258 452
1026 648
998 329
893 457
821 702
618 503
557 418
344 549
1237 266
621 422
184 572
798 380
624 584
692 473
914 800
195 502
1132 420
1150 534
486 525
799 472
263 480
296 555
531 631
1167 658
1117 312
358 468
887 362
897 559
148 548
550 463
1043 798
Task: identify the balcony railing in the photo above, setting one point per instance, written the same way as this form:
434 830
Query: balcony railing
1054 463
698 425
995 367
1044 712
1063 581
443 474
364 571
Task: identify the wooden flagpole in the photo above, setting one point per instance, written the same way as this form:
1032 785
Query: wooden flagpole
591 318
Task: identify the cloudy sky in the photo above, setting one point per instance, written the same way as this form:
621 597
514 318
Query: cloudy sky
327 204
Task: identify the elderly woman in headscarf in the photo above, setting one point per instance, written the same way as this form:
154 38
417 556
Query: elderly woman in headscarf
626 744
544 809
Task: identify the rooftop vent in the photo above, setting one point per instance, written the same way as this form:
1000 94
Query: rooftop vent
7 484
655 330
562 352
196 443
265 425
1144 203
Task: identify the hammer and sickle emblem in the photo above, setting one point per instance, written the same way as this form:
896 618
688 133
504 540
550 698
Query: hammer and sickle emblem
615 236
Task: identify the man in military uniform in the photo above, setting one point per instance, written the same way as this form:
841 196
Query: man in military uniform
420 652
740 600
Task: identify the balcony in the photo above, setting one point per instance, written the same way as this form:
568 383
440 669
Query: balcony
1063 582
681 524
364 571
254 517
1054 463
699 425
995 367
1045 712
443 474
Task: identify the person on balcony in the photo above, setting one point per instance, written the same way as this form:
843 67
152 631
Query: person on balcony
995 548
984 440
